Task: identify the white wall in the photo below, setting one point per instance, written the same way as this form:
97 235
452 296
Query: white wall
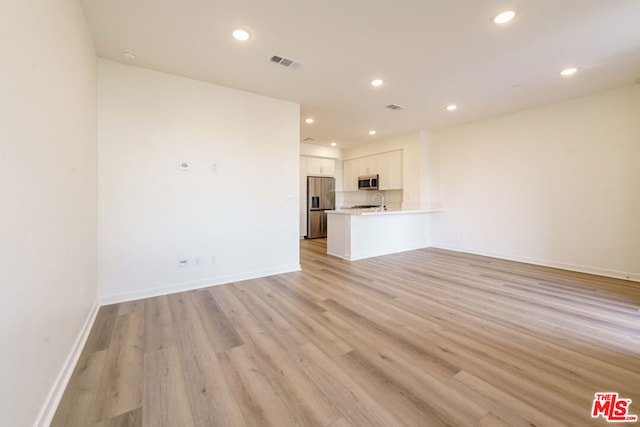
419 166
48 182
151 213
556 185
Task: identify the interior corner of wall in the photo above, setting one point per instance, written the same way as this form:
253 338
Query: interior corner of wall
425 136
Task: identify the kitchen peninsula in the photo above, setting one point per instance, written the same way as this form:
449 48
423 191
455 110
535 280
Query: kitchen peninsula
359 234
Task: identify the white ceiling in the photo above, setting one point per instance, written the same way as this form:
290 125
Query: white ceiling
429 52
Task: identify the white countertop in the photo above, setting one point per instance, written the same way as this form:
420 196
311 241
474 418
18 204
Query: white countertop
367 212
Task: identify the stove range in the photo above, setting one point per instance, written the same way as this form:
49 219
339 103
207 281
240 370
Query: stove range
365 206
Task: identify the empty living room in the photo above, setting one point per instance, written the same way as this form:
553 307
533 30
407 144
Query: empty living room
282 213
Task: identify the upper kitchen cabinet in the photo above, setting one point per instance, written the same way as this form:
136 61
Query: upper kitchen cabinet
369 165
321 167
350 175
387 165
390 170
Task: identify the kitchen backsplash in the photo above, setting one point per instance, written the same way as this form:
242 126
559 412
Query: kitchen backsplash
346 199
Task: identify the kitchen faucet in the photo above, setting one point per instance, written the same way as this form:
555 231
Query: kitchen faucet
381 203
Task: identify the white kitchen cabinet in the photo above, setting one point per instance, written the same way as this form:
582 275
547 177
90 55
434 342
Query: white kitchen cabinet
314 166
387 165
369 165
390 170
328 167
358 235
350 175
321 167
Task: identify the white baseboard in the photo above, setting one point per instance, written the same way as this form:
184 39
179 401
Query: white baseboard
48 410
189 286
635 277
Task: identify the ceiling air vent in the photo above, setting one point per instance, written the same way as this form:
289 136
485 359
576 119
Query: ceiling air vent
309 139
285 62
396 107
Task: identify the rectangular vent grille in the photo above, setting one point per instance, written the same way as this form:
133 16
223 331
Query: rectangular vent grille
396 107
285 62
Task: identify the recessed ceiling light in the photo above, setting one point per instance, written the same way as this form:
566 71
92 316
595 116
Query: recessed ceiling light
376 82
241 35
504 17
128 56
451 107
333 144
372 132
568 71
309 120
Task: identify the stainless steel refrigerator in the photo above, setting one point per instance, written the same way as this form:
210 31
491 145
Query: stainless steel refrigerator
321 197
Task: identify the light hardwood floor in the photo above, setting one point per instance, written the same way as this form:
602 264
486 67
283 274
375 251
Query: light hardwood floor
422 338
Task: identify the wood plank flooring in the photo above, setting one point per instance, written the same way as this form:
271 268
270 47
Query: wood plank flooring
422 338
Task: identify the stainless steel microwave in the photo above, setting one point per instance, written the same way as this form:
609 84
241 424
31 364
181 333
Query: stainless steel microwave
368 182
